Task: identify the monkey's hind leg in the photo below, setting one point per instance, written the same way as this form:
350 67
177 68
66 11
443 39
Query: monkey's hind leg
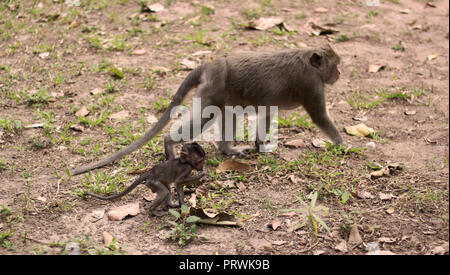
162 194
226 146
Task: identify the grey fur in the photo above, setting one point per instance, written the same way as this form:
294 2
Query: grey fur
286 79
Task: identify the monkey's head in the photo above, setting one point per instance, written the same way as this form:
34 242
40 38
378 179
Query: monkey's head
326 60
193 154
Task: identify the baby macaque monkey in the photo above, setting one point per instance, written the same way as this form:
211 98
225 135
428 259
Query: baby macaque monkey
159 178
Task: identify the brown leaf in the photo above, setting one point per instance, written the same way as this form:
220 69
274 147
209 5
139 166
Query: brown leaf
375 68
233 165
364 195
77 127
319 30
342 246
119 213
107 238
360 130
386 240
296 143
139 52
279 242
151 119
431 57
274 224
188 64
295 179
222 218
82 112
241 186
120 115
97 91
320 10
265 23
318 143
152 8
380 173
385 197
354 238
390 210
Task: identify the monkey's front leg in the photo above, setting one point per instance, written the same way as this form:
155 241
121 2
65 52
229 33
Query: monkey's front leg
179 187
226 145
318 113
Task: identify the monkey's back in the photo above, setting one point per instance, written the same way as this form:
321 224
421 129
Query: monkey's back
258 78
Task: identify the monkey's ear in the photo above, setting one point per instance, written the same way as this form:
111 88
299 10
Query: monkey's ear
315 60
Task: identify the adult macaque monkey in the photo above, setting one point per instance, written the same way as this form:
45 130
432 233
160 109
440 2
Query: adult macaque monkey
159 178
286 79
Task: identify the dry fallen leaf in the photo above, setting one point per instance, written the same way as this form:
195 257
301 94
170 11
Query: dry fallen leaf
152 8
410 112
317 30
97 91
233 165
386 240
360 118
151 119
82 112
296 143
222 218
77 127
44 55
96 215
360 130
188 64
139 52
279 242
364 195
274 224
119 213
107 238
354 238
375 68
342 246
120 115
385 197
318 143
295 179
431 57
320 10
265 23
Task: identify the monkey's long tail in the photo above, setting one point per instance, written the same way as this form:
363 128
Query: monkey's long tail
123 193
191 81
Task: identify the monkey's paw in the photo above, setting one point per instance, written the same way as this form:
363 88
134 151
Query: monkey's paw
159 213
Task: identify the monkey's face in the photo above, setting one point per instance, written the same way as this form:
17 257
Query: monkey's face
326 62
198 165
333 75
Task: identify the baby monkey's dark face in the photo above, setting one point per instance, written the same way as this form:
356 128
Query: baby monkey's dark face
198 165
193 154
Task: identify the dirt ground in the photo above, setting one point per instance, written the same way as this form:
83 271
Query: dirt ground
123 63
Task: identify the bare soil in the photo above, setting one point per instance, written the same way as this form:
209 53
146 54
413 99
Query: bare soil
53 55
